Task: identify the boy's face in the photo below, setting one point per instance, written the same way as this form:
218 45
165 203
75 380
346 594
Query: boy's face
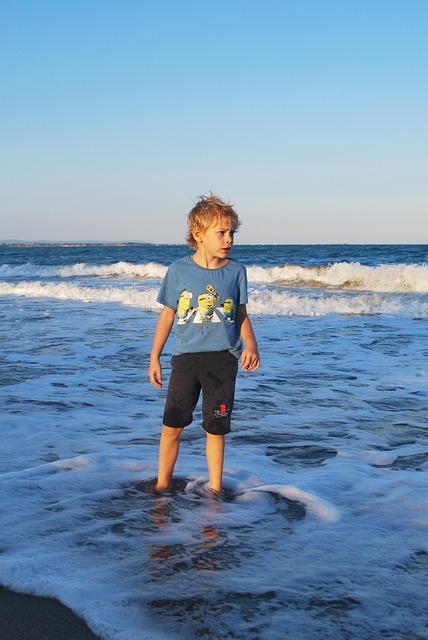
217 240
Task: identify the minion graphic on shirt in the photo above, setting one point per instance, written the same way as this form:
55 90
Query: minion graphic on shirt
206 306
228 309
184 309
206 311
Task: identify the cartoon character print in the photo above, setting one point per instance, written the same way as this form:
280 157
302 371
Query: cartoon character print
206 306
206 311
183 309
228 309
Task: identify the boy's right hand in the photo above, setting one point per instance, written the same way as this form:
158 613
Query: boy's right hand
155 373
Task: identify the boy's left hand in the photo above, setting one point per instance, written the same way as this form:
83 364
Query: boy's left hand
250 360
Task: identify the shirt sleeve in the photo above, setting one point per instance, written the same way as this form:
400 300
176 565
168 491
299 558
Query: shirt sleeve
243 288
168 292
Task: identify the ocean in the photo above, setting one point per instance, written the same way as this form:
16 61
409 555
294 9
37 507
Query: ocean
323 529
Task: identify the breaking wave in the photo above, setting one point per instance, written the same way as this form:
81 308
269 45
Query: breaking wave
400 278
263 301
345 276
132 297
148 271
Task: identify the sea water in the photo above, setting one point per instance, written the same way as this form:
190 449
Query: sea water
322 531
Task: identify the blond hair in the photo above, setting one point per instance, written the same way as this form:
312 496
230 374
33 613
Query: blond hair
206 212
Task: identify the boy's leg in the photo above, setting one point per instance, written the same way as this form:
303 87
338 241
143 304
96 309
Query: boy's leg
215 459
218 388
168 452
183 394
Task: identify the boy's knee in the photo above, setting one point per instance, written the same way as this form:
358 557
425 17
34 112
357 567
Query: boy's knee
214 437
171 432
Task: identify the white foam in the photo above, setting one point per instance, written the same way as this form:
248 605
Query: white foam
313 504
284 303
149 270
144 298
262 301
351 276
401 278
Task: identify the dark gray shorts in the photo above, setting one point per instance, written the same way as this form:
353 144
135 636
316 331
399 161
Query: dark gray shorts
213 373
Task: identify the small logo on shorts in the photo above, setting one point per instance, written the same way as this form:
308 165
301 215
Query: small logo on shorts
222 412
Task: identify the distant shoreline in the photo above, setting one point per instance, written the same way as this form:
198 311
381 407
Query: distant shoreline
67 243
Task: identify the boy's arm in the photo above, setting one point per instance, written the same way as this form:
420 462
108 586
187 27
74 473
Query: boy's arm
163 329
250 359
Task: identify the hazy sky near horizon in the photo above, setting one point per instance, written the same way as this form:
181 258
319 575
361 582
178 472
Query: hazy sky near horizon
309 115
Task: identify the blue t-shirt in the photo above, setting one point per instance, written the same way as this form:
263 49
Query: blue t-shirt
205 302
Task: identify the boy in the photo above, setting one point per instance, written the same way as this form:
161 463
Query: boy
204 296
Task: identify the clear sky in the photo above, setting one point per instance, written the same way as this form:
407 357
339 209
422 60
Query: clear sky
310 115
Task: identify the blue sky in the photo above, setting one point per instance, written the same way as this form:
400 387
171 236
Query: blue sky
309 115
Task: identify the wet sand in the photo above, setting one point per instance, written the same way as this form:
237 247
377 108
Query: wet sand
24 617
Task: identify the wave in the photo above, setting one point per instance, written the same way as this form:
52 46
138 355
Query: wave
345 276
262 301
283 303
132 297
148 271
388 278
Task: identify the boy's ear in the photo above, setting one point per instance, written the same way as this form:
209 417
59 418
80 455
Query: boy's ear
197 234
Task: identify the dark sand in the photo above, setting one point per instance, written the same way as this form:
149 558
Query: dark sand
24 617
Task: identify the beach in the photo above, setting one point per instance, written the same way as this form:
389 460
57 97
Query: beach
25 617
324 530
